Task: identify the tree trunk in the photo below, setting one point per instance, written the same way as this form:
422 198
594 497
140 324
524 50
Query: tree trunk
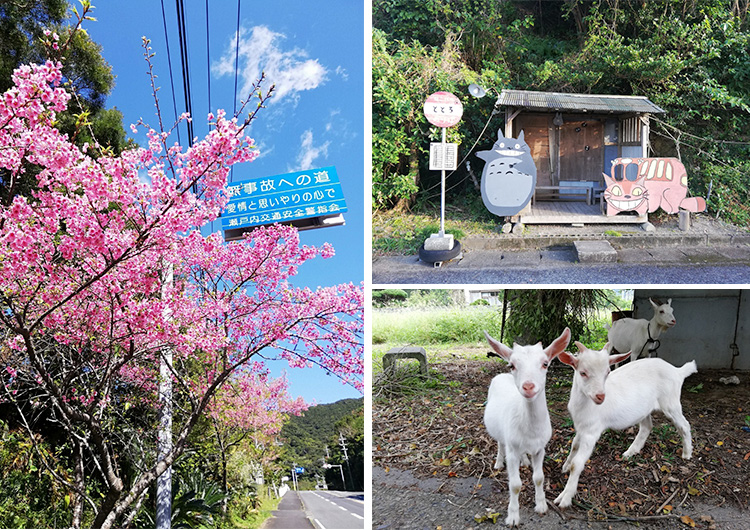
77 498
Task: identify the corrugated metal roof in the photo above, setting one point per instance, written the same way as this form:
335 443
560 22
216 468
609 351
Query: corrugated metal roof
557 101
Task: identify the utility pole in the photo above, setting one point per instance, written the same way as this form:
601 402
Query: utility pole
164 482
342 443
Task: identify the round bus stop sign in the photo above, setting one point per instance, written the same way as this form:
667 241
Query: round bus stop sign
443 109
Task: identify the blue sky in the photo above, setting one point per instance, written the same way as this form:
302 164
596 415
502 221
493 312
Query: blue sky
313 52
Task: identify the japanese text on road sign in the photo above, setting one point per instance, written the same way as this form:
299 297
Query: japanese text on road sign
443 156
283 198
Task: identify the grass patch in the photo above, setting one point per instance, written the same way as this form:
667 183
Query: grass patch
435 326
240 515
404 233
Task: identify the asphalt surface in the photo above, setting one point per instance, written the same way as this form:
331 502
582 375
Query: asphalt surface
319 509
334 509
697 264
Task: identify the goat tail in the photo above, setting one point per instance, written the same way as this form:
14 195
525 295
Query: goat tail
688 369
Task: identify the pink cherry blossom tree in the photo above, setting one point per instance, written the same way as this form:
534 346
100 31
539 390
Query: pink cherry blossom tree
86 314
253 406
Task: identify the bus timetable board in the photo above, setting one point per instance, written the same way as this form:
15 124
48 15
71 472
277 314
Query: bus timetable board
283 198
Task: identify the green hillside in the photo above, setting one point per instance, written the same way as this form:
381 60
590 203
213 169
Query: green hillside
306 437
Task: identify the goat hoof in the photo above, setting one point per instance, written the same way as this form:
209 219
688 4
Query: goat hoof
562 501
513 520
541 507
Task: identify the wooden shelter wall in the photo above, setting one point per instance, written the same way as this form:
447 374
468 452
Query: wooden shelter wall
536 133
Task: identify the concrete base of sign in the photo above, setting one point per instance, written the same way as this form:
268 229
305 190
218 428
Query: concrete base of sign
438 257
439 242
595 252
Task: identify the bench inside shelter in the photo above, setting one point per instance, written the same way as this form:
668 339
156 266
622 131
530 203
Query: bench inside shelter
583 190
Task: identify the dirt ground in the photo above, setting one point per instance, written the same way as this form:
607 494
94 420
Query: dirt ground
433 460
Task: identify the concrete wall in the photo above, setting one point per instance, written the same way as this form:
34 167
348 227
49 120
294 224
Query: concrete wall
707 322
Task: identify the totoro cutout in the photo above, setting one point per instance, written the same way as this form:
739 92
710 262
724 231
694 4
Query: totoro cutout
509 175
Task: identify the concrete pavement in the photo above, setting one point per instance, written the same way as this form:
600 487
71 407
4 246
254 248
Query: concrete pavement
711 251
290 513
686 264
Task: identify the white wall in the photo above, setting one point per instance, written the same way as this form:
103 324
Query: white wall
707 322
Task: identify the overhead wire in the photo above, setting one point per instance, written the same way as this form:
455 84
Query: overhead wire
208 60
182 32
236 74
237 57
169 63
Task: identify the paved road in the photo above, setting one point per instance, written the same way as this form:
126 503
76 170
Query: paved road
334 509
289 514
705 265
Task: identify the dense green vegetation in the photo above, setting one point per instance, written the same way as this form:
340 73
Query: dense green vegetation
306 438
86 73
689 57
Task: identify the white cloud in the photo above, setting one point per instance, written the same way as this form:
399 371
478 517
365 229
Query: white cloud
309 152
341 71
260 50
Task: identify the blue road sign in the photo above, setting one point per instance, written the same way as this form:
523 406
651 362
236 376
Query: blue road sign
299 470
283 198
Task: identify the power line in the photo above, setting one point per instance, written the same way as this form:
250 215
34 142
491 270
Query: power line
237 57
182 32
208 60
236 73
169 62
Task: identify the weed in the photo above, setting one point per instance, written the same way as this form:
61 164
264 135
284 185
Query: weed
695 389
613 233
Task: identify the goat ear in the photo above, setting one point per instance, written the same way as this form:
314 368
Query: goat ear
558 345
580 346
501 349
618 358
669 302
568 359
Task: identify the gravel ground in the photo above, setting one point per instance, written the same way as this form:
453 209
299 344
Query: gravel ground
401 501
433 459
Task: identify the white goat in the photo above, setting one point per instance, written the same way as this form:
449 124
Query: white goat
517 417
639 335
632 393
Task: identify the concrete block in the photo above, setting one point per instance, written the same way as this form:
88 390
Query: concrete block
648 227
684 220
418 353
599 251
439 242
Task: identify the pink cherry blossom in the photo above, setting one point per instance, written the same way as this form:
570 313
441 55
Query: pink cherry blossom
87 310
